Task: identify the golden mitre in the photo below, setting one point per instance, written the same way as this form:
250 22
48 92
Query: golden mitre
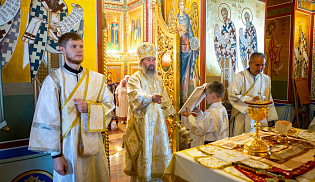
146 49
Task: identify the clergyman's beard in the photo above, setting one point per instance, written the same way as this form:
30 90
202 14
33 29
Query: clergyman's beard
149 72
73 61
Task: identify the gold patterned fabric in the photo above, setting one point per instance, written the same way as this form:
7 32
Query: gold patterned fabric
145 50
149 118
58 127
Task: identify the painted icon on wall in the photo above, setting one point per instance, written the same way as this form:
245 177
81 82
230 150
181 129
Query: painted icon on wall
247 37
114 20
225 44
278 55
48 20
135 28
300 62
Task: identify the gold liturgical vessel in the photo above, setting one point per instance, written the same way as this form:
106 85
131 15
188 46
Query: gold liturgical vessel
257 110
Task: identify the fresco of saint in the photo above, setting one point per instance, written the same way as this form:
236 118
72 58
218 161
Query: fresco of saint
300 64
189 46
48 19
247 38
225 47
9 30
115 32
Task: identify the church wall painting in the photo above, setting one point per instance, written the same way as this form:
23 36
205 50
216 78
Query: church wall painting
308 5
271 3
135 28
234 31
301 45
115 71
15 70
277 51
187 14
115 31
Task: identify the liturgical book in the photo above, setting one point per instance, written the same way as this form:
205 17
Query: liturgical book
194 99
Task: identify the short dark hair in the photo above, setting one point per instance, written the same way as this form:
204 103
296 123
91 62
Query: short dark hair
215 87
255 55
64 38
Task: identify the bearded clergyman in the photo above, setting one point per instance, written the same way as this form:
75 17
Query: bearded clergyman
146 140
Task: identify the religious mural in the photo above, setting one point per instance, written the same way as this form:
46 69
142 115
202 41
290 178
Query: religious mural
301 42
247 37
48 20
308 5
278 2
34 32
135 28
10 17
114 72
186 16
234 31
278 31
114 31
225 44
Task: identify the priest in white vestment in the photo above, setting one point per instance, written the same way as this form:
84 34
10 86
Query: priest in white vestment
73 108
248 85
146 140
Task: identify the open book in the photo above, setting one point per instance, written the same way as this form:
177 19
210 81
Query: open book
194 99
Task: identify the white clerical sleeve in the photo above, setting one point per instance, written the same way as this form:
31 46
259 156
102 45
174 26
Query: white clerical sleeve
202 124
45 133
235 94
138 99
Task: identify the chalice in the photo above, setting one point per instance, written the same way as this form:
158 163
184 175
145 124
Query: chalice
257 110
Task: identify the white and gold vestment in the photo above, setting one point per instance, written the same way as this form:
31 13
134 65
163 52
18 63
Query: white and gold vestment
212 125
244 87
146 139
59 128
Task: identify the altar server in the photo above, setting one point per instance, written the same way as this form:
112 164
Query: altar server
213 124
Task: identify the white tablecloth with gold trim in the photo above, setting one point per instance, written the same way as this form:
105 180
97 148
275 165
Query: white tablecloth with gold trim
187 166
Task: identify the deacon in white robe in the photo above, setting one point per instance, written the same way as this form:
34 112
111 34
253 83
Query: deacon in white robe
248 85
146 140
73 108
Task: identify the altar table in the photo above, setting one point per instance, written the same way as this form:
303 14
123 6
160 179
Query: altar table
219 162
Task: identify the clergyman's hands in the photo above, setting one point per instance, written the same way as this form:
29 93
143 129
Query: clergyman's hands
82 106
157 98
60 166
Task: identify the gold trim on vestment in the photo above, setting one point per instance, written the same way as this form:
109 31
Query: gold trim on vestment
75 88
78 117
103 81
70 127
